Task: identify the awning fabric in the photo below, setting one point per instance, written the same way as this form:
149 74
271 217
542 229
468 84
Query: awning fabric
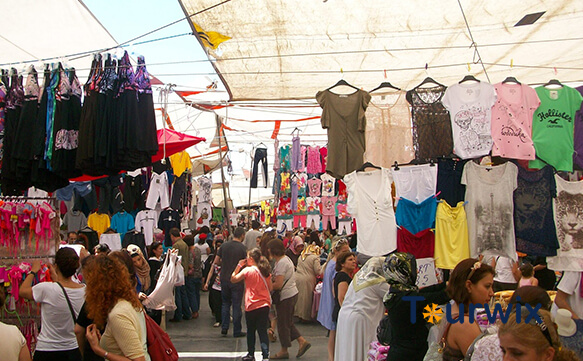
171 142
291 49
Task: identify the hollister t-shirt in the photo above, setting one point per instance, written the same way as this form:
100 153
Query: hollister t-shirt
490 208
552 127
512 121
470 109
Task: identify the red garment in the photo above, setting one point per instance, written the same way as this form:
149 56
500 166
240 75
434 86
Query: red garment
420 245
342 195
324 155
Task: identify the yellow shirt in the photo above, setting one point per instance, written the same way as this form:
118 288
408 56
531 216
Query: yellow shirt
99 222
125 333
180 163
452 242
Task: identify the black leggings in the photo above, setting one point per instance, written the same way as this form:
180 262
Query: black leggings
258 320
216 303
260 156
69 355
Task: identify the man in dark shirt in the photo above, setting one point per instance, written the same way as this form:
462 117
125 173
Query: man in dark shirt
227 257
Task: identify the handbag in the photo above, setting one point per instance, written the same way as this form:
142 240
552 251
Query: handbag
160 347
276 295
69 303
435 350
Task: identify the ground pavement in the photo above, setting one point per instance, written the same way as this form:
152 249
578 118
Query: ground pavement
198 340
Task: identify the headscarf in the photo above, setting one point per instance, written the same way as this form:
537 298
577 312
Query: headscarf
143 271
310 249
370 274
401 271
295 243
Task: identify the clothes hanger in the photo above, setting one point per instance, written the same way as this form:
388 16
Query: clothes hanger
469 77
367 165
553 82
510 79
427 81
385 84
261 143
342 82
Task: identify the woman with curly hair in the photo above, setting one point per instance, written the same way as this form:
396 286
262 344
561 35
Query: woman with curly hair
111 299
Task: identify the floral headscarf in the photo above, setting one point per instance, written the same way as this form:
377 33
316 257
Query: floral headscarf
401 272
310 249
370 274
143 271
295 243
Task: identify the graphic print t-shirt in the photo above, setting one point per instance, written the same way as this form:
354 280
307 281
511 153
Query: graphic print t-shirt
512 121
533 213
568 211
490 208
470 109
552 127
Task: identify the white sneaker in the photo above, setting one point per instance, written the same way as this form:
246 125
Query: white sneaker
217 324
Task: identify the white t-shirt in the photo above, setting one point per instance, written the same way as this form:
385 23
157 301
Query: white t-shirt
203 251
285 267
370 202
504 270
571 285
470 109
415 183
57 325
11 342
490 208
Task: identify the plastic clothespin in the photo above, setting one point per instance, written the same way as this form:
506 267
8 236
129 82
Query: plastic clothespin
385 71
511 63
469 67
555 70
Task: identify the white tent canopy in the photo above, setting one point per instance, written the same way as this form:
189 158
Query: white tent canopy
291 49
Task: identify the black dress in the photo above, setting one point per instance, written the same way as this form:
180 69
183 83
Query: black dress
410 342
339 278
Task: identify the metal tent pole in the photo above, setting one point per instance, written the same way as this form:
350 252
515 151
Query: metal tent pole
225 201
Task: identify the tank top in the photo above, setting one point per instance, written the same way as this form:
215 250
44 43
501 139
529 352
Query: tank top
525 282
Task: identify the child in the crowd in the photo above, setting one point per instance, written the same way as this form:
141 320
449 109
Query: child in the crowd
527 279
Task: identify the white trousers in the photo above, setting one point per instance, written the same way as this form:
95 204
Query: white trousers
315 218
344 227
284 225
158 190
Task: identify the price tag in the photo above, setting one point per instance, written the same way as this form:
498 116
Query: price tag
426 272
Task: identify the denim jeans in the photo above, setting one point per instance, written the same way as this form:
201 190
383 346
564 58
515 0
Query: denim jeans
258 321
193 292
182 306
232 294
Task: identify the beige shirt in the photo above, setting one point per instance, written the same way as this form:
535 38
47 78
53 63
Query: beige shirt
388 129
125 333
11 342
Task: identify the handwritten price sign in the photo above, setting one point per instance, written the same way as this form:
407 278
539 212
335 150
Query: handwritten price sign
426 275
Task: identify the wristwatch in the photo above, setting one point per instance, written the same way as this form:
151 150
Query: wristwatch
33 273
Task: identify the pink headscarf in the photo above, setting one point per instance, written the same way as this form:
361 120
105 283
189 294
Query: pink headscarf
296 242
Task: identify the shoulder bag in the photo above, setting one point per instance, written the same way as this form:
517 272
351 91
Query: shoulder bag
69 303
160 347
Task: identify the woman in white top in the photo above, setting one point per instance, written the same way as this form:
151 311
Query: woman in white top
12 343
284 281
57 340
201 244
361 312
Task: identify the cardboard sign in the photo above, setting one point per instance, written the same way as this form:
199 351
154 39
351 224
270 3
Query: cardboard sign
426 275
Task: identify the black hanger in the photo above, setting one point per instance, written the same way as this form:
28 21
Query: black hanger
367 165
385 84
396 165
342 82
510 79
293 131
427 81
469 78
553 82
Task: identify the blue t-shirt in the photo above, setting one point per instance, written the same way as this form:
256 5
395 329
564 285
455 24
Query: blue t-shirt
575 342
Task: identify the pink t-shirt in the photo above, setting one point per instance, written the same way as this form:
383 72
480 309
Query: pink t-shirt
314 187
256 292
512 121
